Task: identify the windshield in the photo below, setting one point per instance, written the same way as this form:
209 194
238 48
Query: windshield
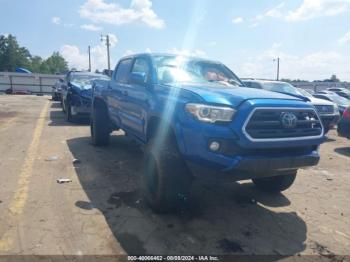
174 69
305 93
342 90
280 87
339 100
84 81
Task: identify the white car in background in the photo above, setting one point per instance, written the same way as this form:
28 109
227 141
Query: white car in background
327 110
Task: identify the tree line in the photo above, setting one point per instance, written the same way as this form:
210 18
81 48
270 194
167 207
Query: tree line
332 79
13 56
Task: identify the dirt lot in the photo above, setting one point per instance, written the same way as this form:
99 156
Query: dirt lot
101 211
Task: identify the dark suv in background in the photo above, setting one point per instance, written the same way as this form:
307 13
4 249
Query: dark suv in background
77 93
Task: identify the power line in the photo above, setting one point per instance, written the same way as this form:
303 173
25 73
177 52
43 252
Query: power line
89 51
278 68
108 53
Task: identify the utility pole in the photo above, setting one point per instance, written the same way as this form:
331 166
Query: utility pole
89 51
108 53
278 68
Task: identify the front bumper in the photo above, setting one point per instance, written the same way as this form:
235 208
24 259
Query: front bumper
239 157
81 110
80 106
329 121
255 167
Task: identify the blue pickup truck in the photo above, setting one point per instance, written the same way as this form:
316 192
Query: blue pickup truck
196 119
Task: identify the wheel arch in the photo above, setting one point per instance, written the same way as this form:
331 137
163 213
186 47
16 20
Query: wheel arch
164 128
99 103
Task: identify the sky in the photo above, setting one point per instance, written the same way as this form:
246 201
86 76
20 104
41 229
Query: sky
311 37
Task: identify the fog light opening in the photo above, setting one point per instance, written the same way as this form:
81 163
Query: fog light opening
214 146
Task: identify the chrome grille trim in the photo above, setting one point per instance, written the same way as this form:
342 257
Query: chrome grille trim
284 138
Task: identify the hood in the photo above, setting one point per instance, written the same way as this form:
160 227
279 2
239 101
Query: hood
85 91
230 95
321 102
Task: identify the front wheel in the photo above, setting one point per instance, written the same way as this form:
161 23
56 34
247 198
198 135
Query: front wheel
167 179
99 126
68 111
277 183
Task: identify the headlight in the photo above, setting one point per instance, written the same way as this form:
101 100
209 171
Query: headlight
211 114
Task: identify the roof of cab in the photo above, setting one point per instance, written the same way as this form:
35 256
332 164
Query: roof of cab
168 54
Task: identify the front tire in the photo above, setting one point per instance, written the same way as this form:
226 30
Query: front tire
68 111
167 180
277 183
99 126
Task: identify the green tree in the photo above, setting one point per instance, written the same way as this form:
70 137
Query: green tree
35 65
286 80
12 55
54 64
334 79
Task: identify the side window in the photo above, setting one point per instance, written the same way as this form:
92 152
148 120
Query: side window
322 97
247 84
123 70
256 85
141 66
67 78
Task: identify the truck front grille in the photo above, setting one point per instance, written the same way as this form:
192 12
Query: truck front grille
274 124
325 109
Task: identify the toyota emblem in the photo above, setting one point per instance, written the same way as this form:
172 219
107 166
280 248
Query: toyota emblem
289 120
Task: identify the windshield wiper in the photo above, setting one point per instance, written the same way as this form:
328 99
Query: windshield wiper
235 82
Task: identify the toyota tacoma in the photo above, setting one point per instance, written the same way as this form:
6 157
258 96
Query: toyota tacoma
195 118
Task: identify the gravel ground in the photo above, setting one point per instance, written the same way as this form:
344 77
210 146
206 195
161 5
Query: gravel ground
101 212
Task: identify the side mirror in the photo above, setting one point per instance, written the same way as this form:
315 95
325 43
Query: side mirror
138 78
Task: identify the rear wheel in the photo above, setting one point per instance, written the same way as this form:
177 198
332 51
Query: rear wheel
276 183
167 180
63 104
68 111
99 126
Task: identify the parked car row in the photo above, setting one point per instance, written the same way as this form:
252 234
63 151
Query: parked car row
340 101
344 124
195 118
327 110
341 97
340 91
75 92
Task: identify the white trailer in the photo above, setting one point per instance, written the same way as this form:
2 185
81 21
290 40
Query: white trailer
27 83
